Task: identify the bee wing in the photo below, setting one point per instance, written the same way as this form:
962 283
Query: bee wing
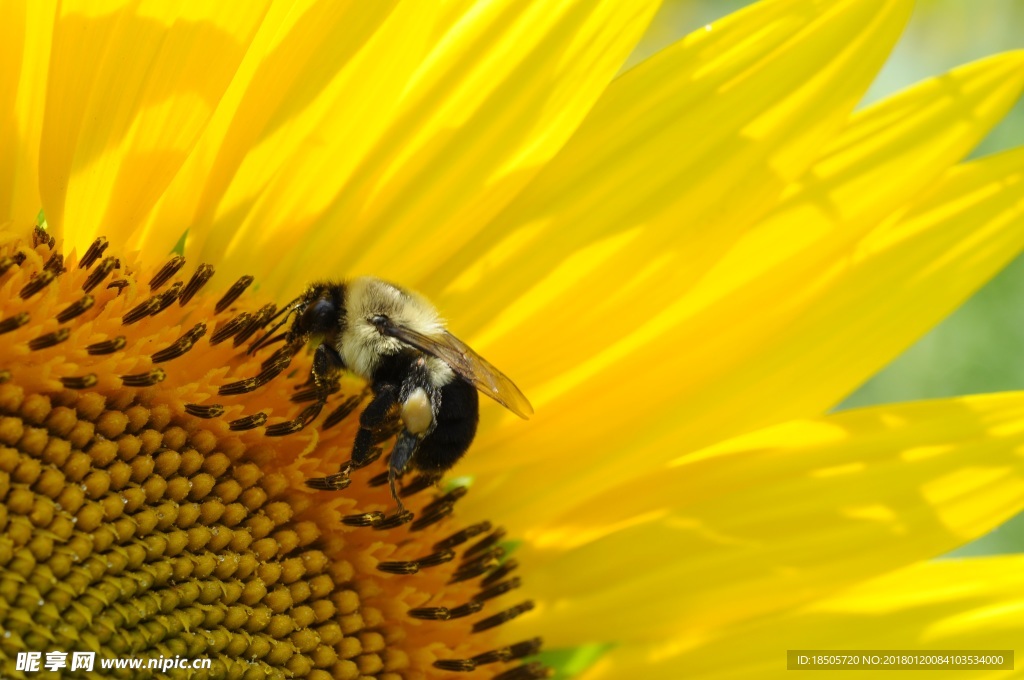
468 364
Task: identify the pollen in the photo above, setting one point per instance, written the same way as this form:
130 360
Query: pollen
154 498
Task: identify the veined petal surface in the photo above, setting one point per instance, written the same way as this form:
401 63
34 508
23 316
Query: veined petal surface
777 518
320 81
668 157
481 110
831 310
490 106
118 126
25 48
951 604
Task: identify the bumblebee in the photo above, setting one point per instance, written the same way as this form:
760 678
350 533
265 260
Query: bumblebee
397 341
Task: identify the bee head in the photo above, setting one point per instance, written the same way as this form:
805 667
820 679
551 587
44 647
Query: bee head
319 312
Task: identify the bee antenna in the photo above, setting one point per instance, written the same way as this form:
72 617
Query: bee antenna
264 339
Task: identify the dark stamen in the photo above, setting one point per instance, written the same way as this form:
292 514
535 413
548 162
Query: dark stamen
461 537
365 519
484 543
40 281
6 262
80 306
394 521
450 497
236 289
40 236
314 392
430 613
274 368
286 428
181 345
530 671
94 252
140 311
456 665
55 264
248 422
425 520
398 567
230 328
498 589
167 298
335 482
466 609
468 574
491 555
434 559
444 613
269 338
379 480
506 568
516 651
307 416
106 346
419 483
49 339
120 284
502 617
166 272
476 567
372 457
203 274
344 411
279 355
269 341
157 375
238 387
211 411
96 276
80 382
309 394
259 320
14 322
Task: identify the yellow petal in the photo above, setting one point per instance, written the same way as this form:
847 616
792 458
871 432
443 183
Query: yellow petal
886 155
315 89
679 156
790 343
130 88
964 604
25 53
776 518
492 103
453 109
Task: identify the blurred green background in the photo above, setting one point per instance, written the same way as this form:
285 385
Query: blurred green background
980 348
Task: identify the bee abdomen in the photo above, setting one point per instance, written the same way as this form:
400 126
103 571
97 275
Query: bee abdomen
455 428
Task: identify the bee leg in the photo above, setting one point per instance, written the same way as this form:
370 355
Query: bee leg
326 364
401 456
373 416
324 376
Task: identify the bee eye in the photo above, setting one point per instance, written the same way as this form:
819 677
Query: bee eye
378 319
319 317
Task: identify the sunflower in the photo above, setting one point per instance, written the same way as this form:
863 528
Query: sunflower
685 265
